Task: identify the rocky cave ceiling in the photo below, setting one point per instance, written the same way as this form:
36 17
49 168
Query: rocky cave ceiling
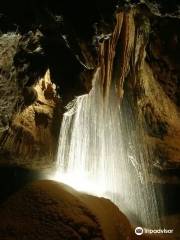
49 51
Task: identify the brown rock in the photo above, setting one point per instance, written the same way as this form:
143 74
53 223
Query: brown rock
9 92
32 137
50 210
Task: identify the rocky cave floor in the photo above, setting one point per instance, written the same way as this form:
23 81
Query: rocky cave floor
32 207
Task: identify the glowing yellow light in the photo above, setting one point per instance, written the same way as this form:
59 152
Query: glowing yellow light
80 181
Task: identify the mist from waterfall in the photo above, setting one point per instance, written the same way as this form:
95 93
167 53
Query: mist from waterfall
101 152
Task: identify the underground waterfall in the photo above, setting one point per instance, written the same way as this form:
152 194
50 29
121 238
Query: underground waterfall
94 157
90 120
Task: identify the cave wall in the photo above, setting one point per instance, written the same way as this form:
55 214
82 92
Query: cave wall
8 85
31 139
157 96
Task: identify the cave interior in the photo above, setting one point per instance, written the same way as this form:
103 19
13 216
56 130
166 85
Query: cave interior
53 54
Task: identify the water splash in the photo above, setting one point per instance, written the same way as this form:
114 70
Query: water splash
99 153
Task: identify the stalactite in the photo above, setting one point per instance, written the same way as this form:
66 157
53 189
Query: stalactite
123 35
107 54
127 43
141 35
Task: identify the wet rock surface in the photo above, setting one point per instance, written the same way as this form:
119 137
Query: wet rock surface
50 210
33 133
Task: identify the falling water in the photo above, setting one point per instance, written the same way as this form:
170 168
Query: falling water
99 153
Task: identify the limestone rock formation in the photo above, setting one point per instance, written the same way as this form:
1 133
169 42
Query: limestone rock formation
9 90
157 92
162 119
32 136
50 210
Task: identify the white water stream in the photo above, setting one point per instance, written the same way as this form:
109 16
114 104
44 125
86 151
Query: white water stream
99 153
